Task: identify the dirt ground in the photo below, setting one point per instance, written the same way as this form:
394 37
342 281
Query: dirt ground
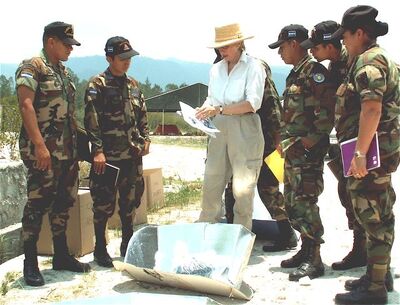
263 273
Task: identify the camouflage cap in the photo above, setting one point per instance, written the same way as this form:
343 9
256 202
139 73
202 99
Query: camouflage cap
321 33
361 16
120 46
63 31
292 31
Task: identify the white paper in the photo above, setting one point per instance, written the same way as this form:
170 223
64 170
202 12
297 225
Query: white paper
189 115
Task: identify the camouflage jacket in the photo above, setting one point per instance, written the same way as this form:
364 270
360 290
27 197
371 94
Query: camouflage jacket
372 76
54 105
309 102
338 69
115 116
270 112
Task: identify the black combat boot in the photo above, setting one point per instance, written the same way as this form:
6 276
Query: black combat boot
32 275
312 266
127 232
371 290
287 238
299 257
101 256
62 260
350 285
357 257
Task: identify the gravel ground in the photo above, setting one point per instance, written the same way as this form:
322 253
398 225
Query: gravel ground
263 274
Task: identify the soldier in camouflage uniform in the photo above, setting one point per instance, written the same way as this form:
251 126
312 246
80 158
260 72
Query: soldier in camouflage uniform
267 184
323 47
46 96
116 123
308 113
369 102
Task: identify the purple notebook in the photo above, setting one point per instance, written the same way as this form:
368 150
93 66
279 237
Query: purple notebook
348 147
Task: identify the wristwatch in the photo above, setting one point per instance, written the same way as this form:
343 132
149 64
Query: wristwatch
359 154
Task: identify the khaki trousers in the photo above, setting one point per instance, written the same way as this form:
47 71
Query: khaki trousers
236 152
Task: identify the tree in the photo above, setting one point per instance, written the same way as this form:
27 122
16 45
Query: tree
170 87
6 86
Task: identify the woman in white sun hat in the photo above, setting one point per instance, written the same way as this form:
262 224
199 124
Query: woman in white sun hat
235 94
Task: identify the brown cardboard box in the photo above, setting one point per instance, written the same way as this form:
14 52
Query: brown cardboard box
140 217
80 231
155 189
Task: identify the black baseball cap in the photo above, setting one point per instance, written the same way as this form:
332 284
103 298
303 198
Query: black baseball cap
293 31
321 33
63 31
120 46
361 16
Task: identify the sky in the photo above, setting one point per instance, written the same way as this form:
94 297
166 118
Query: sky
180 29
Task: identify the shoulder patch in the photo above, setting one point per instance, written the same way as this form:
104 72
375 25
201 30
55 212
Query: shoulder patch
92 91
26 74
319 77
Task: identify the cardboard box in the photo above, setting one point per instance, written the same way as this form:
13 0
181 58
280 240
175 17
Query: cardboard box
140 217
153 180
80 231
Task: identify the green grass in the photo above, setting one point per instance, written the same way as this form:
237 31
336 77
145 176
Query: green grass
188 192
192 142
184 198
8 280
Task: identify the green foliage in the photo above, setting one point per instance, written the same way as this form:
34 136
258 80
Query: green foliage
6 86
149 90
10 126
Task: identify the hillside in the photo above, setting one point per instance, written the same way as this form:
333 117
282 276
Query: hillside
157 71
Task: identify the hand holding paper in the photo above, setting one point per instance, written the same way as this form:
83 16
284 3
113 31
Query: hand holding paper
189 115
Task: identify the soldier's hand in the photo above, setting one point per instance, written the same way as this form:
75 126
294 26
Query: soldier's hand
146 149
358 167
99 163
43 159
279 149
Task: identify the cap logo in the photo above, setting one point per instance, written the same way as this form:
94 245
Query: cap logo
327 36
291 34
110 49
69 32
125 46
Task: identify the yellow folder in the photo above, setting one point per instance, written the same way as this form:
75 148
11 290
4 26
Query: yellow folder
276 164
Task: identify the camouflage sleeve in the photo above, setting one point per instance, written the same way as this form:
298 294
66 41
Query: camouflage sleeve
270 111
370 82
27 74
323 92
93 110
142 124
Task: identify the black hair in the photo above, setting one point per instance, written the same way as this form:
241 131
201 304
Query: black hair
336 43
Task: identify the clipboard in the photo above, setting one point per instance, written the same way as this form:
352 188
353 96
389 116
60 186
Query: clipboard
348 147
109 177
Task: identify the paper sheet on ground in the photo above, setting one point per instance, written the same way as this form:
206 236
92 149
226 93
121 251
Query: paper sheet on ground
189 115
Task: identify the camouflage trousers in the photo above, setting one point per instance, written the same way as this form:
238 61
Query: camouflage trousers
303 183
53 191
130 186
268 190
336 166
373 198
